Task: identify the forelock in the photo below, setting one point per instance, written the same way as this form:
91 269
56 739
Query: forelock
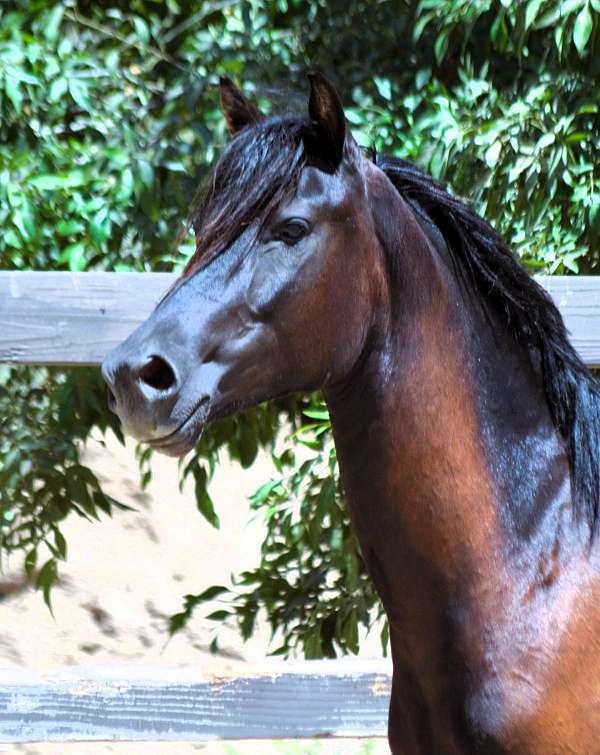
258 170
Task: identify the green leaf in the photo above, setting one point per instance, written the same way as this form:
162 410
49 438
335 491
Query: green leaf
492 154
518 167
65 47
210 593
383 87
499 32
12 239
422 21
100 226
145 173
312 645
74 256
141 28
13 92
316 413
47 182
74 178
24 219
263 493
46 579
559 37
220 615
53 22
79 92
440 46
60 544
126 185
570 263
568 7
18 74
350 632
531 12
549 18
545 141
595 212
177 622
30 562
385 638
577 136
422 77
57 89
582 29
204 502
69 227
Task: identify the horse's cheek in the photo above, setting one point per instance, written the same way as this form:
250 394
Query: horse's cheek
280 284
268 283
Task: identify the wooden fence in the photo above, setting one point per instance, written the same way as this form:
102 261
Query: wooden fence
74 319
276 700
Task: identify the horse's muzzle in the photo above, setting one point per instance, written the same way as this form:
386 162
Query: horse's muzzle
143 391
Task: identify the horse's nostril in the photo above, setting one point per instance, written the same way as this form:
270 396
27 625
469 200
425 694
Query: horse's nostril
158 374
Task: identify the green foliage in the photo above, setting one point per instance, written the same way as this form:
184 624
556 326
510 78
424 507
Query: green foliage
518 130
41 477
311 579
109 118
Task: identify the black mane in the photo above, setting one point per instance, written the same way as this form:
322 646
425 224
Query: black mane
261 167
488 264
257 171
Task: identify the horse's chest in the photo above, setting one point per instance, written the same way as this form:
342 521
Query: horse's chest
518 686
499 718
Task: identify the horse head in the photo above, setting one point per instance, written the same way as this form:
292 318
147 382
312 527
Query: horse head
278 295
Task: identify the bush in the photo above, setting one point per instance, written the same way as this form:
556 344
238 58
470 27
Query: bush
109 119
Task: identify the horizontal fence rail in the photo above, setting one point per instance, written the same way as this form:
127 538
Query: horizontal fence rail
50 318
72 318
58 318
310 699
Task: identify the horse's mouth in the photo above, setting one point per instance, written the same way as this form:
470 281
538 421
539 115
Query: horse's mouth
185 437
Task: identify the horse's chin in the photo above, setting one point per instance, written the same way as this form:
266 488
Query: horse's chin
183 440
177 448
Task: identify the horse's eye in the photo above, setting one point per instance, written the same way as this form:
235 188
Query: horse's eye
292 231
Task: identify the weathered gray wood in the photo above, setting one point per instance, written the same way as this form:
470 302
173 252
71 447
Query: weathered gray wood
76 318
72 318
276 700
578 298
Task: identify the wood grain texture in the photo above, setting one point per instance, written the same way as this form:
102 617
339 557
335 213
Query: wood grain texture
72 318
76 318
578 298
276 700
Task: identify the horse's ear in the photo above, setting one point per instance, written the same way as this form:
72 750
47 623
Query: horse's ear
238 111
327 117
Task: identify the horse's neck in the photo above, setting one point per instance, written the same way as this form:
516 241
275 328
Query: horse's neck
453 472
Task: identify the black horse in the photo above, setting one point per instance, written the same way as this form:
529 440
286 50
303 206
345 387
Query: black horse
467 429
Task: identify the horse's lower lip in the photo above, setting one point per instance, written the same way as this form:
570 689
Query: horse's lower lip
183 439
